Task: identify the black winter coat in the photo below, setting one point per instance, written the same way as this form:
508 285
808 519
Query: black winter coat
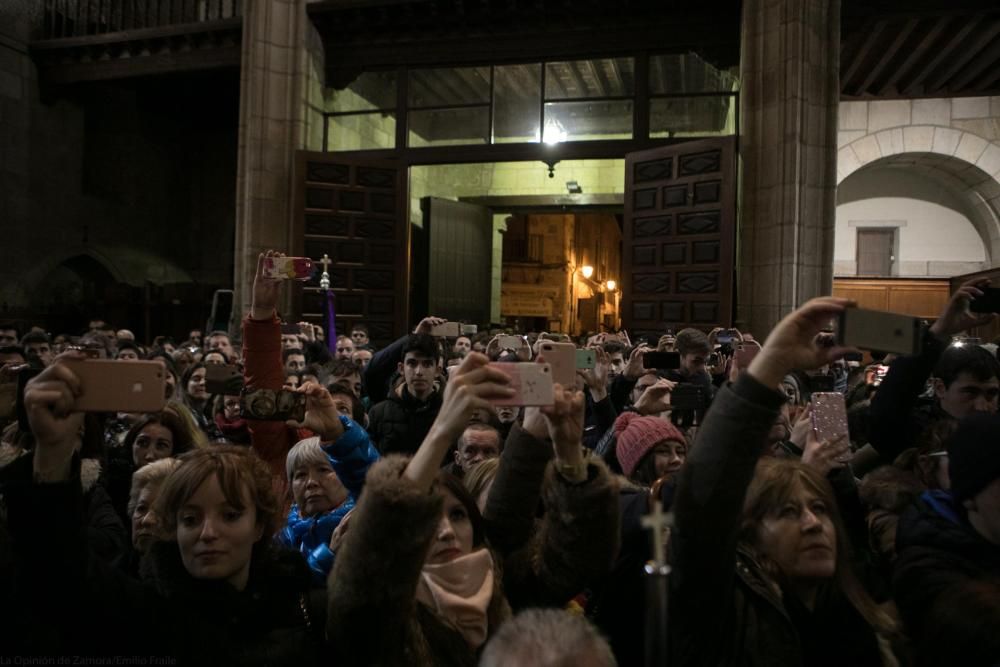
940 553
725 608
72 603
897 414
400 423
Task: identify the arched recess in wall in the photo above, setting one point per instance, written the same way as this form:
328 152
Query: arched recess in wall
956 161
63 287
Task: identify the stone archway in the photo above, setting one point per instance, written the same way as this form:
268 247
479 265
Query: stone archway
966 163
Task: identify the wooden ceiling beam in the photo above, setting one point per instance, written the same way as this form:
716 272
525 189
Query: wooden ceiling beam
439 88
550 76
617 73
468 80
862 53
987 81
887 56
581 84
916 54
957 39
603 85
965 55
660 71
988 58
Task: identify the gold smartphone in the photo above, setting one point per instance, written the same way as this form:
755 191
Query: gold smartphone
119 386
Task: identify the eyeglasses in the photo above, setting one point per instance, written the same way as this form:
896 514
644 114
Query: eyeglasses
938 455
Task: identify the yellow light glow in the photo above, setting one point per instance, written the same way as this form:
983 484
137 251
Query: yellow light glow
587 271
612 284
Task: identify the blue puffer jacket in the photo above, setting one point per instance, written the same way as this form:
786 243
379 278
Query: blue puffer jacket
350 455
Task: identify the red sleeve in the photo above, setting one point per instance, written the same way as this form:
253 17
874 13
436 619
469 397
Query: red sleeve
262 354
263 370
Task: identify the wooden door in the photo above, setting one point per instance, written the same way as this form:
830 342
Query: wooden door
679 237
354 210
875 252
459 260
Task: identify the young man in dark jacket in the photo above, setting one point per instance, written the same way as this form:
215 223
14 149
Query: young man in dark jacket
966 380
400 423
950 541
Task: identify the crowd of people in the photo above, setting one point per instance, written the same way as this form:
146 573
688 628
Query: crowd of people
403 517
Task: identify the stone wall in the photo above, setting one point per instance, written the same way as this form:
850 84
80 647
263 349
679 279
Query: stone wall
135 176
966 128
949 144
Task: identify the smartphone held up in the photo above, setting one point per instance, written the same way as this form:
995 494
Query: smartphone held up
112 386
531 382
879 330
287 268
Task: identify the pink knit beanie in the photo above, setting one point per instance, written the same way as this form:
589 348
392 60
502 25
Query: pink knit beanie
637 435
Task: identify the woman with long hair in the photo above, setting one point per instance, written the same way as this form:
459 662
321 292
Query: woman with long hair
761 560
416 582
194 396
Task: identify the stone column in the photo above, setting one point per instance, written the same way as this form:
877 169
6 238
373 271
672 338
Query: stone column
790 89
271 127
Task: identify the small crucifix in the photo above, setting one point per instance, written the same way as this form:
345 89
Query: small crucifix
658 523
324 280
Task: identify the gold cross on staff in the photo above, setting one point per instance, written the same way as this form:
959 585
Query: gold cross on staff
324 280
658 523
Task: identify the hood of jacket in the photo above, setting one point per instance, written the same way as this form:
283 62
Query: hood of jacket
937 522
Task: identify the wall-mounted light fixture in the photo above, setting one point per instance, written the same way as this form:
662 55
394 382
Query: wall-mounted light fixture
587 271
611 285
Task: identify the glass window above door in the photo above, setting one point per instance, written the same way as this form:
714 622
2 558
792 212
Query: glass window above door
682 95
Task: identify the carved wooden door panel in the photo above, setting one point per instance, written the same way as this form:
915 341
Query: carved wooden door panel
355 211
678 246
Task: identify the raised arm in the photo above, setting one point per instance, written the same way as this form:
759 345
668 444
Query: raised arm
512 504
714 480
45 516
892 428
578 538
372 590
263 369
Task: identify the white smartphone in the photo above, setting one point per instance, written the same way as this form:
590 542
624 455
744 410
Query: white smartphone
532 383
878 330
